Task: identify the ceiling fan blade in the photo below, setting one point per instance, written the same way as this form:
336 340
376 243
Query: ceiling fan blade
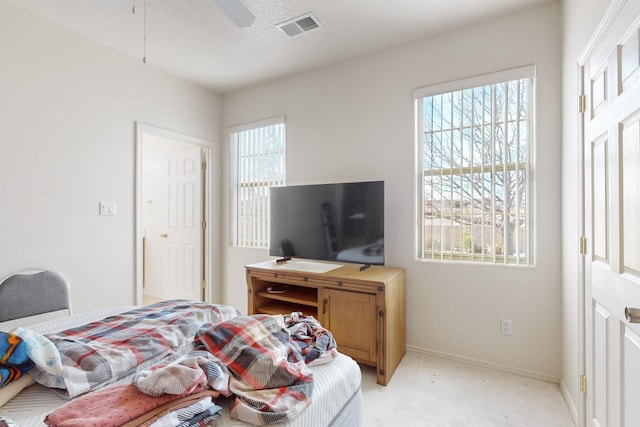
237 12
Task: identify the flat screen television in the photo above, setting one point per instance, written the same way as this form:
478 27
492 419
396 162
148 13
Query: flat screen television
341 222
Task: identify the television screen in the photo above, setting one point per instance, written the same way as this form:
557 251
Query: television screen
331 222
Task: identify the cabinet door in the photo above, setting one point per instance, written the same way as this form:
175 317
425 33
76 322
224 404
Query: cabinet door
351 318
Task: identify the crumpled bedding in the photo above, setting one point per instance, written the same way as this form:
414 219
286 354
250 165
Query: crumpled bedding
270 376
101 352
310 338
263 360
195 370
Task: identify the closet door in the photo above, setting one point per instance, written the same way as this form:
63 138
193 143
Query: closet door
612 222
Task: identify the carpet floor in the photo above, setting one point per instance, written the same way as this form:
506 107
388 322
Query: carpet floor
435 392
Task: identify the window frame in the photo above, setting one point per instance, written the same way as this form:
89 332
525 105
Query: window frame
492 258
258 237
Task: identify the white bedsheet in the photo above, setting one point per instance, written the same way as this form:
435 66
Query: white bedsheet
336 384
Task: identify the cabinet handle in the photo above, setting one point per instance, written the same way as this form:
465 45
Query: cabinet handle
339 283
324 305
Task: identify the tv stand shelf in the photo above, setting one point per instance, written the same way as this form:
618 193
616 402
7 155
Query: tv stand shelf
293 299
364 309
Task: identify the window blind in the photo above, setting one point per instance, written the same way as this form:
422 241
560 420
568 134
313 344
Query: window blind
258 157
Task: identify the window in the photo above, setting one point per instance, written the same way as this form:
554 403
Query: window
475 143
258 162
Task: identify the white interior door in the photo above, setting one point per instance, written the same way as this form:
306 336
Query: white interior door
183 235
612 221
172 212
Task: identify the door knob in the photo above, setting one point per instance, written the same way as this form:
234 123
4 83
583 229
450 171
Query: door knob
632 314
164 235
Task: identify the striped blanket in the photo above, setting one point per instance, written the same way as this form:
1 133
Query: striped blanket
270 376
102 352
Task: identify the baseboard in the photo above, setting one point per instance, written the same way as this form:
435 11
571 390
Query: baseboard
567 397
484 364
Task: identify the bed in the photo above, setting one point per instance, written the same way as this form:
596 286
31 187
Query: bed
327 382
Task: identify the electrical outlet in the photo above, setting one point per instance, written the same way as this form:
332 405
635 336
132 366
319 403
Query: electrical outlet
506 326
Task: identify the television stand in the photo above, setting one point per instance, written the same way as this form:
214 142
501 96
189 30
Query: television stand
363 309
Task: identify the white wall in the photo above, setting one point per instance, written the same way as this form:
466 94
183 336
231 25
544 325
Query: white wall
354 121
580 19
68 108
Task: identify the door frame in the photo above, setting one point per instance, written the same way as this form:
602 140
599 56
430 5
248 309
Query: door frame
143 129
600 33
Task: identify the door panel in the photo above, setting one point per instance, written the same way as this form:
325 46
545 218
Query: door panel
599 377
631 376
631 205
351 318
600 221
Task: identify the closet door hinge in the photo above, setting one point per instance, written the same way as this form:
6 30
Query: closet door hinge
204 225
583 245
203 284
583 383
582 103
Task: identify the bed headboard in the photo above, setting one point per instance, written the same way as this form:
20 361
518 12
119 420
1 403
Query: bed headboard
31 296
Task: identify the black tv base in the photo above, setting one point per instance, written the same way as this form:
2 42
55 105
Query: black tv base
364 267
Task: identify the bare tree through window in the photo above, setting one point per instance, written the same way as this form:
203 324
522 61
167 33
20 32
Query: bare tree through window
476 145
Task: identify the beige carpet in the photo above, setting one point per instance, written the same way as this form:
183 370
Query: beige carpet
434 392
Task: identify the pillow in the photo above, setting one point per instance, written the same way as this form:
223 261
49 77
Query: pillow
14 360
48 364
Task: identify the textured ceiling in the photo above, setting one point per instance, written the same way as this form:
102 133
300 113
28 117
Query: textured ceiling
194 40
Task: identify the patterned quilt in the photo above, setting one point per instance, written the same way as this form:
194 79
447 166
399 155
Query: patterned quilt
270 376
102 352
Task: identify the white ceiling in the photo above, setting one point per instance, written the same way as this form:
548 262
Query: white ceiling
194 40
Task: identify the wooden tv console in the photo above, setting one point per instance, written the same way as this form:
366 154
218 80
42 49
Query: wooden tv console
364 310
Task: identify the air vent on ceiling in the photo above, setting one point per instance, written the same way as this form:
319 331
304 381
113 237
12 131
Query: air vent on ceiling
299 25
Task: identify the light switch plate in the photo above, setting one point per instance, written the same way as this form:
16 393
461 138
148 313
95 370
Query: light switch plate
506 326
108 208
